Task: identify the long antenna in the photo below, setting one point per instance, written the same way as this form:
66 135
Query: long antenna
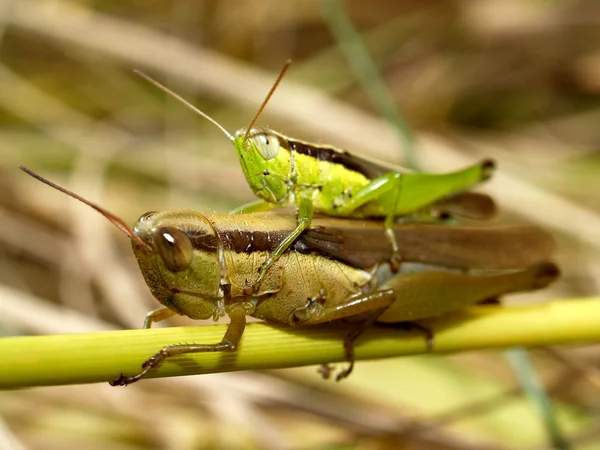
266 100
119 223
166 90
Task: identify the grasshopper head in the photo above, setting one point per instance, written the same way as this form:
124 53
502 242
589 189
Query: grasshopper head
182 269
178 254
265 163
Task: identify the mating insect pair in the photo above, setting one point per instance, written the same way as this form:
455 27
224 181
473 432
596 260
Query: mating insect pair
197 265
320 178
288 268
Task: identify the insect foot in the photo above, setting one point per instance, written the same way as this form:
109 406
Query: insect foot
149 364
120 381
325 370
395 262
346 372
427 333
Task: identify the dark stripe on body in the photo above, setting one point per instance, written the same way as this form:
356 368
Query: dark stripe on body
367 168
203 241
246 241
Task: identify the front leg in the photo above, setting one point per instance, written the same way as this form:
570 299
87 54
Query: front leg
305 213
229 343
158 314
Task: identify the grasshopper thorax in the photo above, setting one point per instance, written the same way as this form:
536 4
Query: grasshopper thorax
183 268
266 162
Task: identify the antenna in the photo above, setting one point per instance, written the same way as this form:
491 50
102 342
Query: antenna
266 100
166 90
119 223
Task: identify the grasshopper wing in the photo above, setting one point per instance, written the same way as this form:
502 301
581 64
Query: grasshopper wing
363 244
472 205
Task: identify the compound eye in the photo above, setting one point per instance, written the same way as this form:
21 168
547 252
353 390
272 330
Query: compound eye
267 144
174 247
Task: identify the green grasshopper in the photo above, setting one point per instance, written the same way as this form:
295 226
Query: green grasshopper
197 265
320 178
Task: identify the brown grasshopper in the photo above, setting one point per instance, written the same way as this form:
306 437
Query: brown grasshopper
200 265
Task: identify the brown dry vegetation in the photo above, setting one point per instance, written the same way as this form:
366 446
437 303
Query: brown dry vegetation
516 81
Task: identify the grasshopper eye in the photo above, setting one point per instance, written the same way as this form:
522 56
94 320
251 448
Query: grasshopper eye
267 144
174 247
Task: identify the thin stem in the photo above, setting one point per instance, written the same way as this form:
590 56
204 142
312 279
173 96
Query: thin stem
364 67
100 357
537 395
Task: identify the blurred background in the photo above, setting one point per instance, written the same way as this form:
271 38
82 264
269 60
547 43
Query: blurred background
512 80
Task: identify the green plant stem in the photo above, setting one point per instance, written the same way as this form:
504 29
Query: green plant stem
359 58
97 357
538 397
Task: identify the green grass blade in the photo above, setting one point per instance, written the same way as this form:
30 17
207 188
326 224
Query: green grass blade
362 63
100 357
537 395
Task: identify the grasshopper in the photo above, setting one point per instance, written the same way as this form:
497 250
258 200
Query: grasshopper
324 179
198 265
